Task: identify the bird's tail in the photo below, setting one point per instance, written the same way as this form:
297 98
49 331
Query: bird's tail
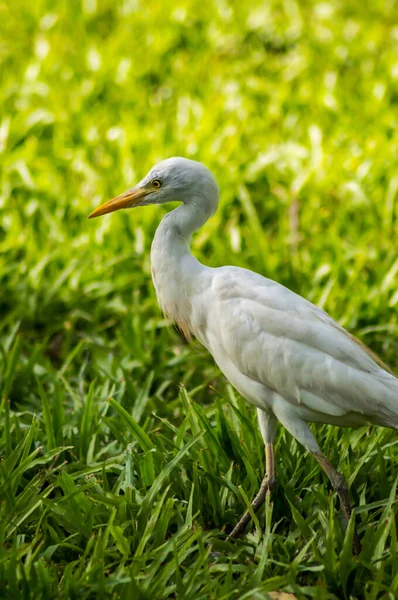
385 411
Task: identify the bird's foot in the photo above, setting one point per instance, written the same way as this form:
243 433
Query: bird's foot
340 487
356 544
267 485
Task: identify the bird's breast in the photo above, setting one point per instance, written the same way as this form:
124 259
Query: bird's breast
174 300
179 280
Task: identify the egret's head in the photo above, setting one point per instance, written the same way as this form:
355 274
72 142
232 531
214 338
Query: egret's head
173 179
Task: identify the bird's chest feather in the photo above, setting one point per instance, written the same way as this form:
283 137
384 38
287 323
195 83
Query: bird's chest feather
179 280
173 299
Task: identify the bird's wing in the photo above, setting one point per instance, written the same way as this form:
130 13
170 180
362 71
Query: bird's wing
281 340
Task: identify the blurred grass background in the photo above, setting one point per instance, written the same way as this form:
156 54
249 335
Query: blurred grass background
293 105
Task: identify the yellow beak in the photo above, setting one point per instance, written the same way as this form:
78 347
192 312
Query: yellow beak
125 200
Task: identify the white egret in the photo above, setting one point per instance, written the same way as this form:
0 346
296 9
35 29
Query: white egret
282 353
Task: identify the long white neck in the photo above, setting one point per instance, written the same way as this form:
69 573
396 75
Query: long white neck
175 272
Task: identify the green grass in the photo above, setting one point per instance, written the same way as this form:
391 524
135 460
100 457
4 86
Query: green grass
125 454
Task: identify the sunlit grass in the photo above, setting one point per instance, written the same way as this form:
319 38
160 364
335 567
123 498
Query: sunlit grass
125 454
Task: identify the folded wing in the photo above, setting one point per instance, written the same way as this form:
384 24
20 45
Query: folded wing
281 340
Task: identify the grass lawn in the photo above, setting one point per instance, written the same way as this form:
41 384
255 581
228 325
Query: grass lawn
125 455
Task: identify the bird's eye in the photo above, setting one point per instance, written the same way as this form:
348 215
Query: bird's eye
156 183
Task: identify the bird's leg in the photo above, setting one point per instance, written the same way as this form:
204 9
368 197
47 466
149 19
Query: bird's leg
267 426
267 485
299 429
340 487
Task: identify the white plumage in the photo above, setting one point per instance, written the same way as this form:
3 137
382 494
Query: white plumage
282 353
